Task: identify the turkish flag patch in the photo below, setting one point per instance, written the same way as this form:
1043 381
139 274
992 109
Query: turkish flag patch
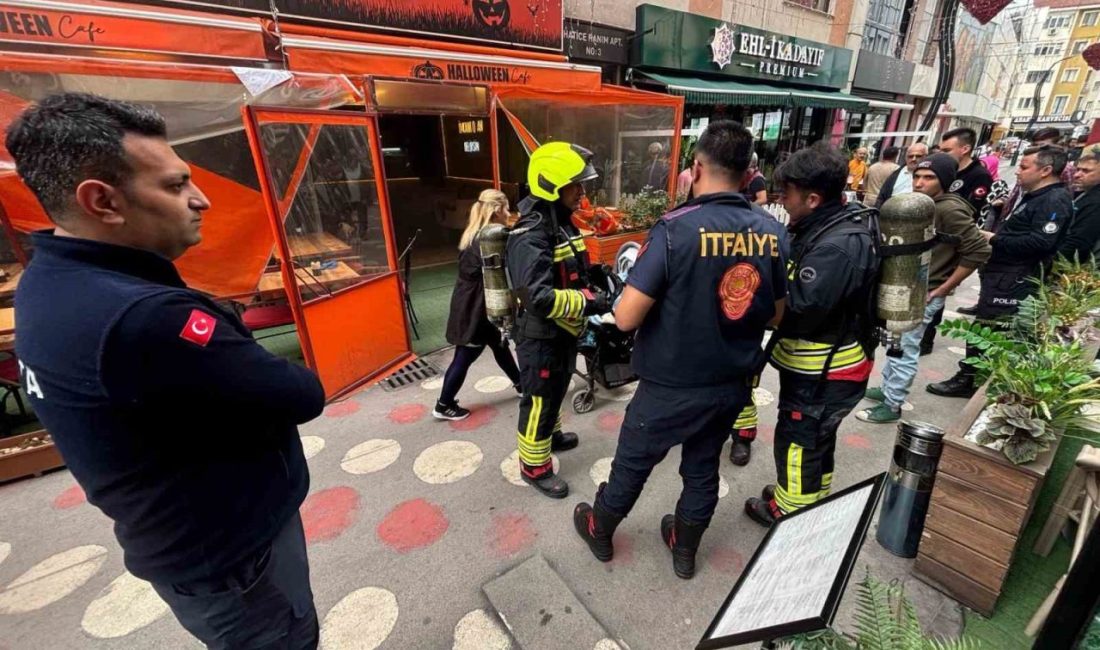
199 328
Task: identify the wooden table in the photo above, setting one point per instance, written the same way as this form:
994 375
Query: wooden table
273 280
317 244
7 287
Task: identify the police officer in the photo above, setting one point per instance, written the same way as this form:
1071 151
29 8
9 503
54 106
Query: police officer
706 283
973 180
174 421
1025 243
548 265
821 346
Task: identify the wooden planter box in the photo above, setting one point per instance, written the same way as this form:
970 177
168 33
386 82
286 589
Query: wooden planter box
981 503
32 461
602 249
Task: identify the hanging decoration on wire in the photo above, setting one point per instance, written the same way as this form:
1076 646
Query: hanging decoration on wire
985 10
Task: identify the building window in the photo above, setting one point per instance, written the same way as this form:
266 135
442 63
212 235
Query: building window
1046 49
883 31
1025 102
1035 76
1088 18
1059 106
1057 22
1069 75
1079 46
816 5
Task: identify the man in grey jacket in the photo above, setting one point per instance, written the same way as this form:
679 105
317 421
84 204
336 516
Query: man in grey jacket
951 264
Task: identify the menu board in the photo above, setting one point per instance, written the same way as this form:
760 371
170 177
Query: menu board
796 577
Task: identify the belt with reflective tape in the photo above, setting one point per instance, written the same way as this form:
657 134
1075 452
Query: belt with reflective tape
809 357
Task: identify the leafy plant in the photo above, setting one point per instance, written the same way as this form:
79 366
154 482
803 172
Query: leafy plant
885 620
644 209
1023 435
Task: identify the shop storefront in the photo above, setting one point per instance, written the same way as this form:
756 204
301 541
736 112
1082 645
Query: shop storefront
884 82
786 89
341 165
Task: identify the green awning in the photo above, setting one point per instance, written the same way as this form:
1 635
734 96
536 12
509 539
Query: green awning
709 91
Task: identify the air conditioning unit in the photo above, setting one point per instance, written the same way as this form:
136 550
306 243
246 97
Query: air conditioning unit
1052 32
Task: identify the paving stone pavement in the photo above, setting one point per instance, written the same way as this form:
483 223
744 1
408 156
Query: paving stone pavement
408 517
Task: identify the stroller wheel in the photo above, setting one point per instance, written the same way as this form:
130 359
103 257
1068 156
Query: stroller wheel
583 401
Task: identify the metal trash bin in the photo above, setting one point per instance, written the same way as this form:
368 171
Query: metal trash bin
909 487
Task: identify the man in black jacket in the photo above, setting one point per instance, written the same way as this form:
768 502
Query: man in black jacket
174 421
1024 245
548 266
1083 239
973 180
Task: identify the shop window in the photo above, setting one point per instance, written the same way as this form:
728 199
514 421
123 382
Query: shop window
1088 18
1058 107
420 96
325 183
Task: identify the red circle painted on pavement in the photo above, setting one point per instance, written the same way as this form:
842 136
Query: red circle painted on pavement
70 498
328 513
933 375
765 433
511 533
413 524
727 560
610 421
856 441
480 415
624 549
408 413
342 409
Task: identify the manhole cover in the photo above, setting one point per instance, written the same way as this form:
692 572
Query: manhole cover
410 375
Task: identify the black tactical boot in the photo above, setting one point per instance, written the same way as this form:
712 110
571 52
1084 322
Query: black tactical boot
543 479
961 385
596 527
563 441
763 511
740 452
682 538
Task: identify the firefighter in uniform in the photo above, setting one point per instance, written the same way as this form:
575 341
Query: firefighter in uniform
548 265
1022 248
708 281
821 346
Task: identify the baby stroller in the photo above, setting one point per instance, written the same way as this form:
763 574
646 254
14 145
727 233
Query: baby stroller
606 349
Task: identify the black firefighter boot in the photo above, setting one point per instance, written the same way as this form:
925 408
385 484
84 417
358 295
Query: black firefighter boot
961 385
741 447
563 441
596 527
543 479
682 538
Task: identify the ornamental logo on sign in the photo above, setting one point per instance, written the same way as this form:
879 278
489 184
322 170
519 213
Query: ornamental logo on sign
722 47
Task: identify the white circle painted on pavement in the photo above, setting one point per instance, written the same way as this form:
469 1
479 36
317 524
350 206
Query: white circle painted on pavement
762 396
125 605
607 644
951 315
723 487
5 550
493 384
312 445
479 631
447 462
572 385
52 579
371 456
435 383
907 406
601 470
362 620
956 350
509 468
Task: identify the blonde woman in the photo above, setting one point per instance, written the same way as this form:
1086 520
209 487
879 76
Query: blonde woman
468 328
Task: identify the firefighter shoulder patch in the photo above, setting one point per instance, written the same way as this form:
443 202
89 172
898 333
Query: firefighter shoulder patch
737 289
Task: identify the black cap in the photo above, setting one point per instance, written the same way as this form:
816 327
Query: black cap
943 166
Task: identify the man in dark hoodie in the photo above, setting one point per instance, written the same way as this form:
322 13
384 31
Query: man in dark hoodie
952 262
1083 239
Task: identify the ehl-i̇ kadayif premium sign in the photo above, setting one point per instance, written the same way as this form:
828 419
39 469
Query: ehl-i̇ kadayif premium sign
526 23
679 41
